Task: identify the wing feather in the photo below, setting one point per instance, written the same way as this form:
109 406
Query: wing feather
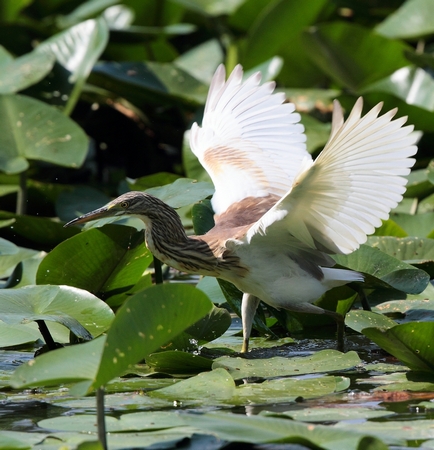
250 142
352 185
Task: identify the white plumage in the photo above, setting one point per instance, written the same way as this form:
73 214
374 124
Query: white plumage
252 146
278 213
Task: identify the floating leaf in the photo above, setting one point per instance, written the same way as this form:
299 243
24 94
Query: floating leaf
168 309
413 250
411 20
320 362
411 343
411 84
359 320
382 270
67 364
150 82
71 307
324 414
411 310
24 71
104 261
31 129
352 55
277 24
178 362
182 192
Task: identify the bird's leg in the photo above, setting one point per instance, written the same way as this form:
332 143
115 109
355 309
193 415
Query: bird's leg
340 324
249 305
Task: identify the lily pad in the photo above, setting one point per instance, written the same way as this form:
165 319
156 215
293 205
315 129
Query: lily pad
319 362
105 261
169 309
260 429
393 431
411 20
285 390
410 310
359 320
183 192
401 381
31 129
411 343
178 362
211 387
24 71
76 309
416 251
326 414
382 270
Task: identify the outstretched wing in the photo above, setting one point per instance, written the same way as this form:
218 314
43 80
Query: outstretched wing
353 184
250 142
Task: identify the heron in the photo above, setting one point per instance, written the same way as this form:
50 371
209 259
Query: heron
279 214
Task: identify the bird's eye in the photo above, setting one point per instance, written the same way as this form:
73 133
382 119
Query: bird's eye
124 205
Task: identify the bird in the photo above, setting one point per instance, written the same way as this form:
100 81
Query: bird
279 214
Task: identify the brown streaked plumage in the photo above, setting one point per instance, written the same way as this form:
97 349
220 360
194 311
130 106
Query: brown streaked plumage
278 213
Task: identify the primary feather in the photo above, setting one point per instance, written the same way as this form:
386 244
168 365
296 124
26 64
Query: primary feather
250 142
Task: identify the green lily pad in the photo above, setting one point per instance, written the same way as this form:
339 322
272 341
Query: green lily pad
359 320
68 364
105 261
76 50
411 20
76 309
416 251
352 55
411 84
416 310
288 390
319 362
42 231
77 201
210 327
327 414
150 82
382 270
211 387
178 362
183 192
420 225
401 381
393 431
151 181
317 133
31 129
17 334
260 429
411 343
210 286
169 309
24 71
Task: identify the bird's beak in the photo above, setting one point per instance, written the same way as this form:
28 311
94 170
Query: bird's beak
99 213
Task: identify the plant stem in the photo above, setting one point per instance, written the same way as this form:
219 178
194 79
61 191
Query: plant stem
22 194
158 271
100 417
49 341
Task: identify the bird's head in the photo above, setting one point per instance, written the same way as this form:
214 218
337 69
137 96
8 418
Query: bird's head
140 204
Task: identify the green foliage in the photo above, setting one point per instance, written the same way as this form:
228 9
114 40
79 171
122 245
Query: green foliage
63 61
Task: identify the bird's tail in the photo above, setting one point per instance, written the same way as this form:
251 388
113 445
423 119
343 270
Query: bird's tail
339 277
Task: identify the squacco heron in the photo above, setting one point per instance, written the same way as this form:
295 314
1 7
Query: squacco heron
279 214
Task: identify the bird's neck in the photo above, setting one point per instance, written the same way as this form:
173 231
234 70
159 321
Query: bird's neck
166 239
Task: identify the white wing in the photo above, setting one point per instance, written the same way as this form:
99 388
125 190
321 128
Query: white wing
353 184
250 142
